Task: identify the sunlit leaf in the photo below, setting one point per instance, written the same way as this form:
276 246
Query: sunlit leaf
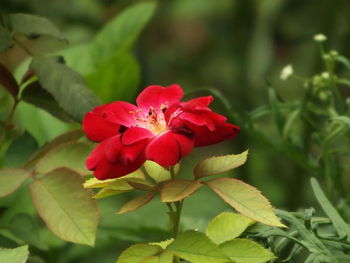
157 172
197 248
137 253
163 244
176 190
11 179
246 251
71 155
136 203
245 199
95 183
219 164
164 257
14 255
65 85
7 80
227 226
66 207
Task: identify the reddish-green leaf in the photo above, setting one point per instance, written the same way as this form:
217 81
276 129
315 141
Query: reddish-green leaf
66 207
136 203
176 190
63 138
11 179
71 155
245 199
219 164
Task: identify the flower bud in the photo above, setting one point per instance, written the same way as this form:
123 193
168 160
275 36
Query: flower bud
320 38
286 72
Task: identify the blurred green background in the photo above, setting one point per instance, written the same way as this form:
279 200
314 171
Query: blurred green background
235 46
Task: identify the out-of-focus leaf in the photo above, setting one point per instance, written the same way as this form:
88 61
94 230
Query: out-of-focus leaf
136 203
176 190
20 150
344 119
11 179
5 39
66 207
246 251
33 26
23 226
345 61
7 80
227 226
71 155
14 255
63 138
275 106
197 248
120 33
65 85
36 95
219 164
117 79
342 228
245 199
137 253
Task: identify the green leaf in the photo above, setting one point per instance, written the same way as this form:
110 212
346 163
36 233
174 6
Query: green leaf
219 164
5 39
120 33
117 79
33 26
39 97
23 227
14 255
246 251
342 228
344 119
245 199
65 85
157 172
163 244
136 203
11 179
20 150
176 190
66 207
8 81
71 155
63 138
196 247
137 253
227 226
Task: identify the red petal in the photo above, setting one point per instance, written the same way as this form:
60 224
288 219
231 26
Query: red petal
203 136
135 134
155 96
97 128
95 157
106 170
200 103
169 148
112 148
120 112
130 153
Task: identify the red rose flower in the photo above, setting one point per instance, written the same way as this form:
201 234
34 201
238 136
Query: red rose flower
160 128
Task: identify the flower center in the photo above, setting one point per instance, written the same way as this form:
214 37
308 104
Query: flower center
154 121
